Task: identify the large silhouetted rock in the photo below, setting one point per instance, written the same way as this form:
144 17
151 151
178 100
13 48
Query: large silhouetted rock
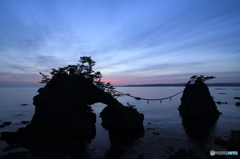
63 111
197 106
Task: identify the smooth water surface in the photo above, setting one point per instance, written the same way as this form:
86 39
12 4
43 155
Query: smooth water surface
164 115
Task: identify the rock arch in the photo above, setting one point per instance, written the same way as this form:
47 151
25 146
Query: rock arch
62 111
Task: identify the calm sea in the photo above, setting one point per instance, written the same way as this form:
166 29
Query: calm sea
164 115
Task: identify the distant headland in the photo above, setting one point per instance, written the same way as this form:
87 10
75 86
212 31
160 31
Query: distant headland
180 84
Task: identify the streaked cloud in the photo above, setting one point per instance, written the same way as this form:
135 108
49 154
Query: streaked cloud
131 41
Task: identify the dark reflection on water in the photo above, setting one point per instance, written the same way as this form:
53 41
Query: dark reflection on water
198 125
199 131
122 142
73 147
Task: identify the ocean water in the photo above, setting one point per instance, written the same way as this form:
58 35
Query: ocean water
164 115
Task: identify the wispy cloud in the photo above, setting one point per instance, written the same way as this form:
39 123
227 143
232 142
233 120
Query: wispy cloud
130 41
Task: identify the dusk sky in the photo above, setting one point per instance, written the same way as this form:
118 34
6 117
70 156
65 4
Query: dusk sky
132 41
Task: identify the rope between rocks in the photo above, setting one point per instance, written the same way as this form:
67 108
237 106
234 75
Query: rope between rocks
139 98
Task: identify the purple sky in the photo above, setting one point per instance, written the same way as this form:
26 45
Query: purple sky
132 42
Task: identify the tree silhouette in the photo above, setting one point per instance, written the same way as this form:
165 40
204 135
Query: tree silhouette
45 78
84 69
200 77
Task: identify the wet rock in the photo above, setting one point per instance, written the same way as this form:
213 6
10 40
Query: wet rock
2 126
155 133
24 122
237 104
218 102
24 104
7 123
150 128
19 114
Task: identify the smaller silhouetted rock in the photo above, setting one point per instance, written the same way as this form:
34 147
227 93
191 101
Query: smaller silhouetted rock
149 123
237 104
155 133
19 114
24 104
218 102
219 141
150 128
25 122
2 126
236 97
7 123
196 101
198 110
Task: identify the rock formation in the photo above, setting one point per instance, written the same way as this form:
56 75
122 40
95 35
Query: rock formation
63 111
197 106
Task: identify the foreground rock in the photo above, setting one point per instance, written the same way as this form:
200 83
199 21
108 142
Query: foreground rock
198 110
63 112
